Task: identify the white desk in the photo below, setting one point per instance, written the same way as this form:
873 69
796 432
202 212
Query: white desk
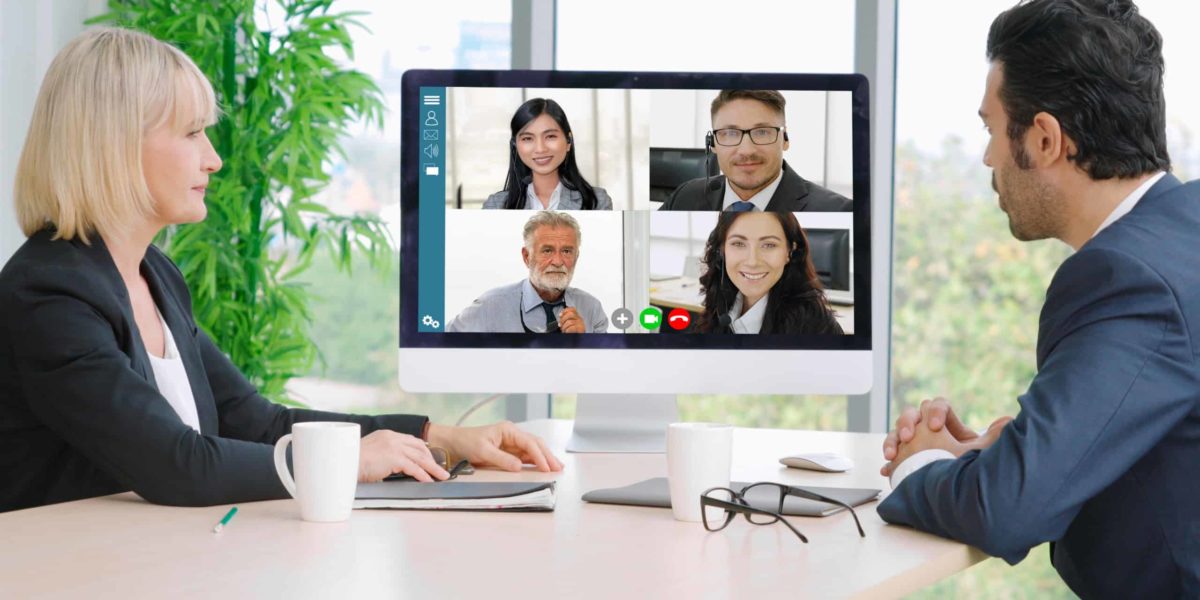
122 547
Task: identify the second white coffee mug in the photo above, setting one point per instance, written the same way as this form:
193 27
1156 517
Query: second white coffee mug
325 458
698 458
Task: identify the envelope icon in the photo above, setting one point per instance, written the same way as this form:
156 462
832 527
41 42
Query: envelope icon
431 135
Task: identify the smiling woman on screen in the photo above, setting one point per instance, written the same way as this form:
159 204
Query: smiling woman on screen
760 278
542 174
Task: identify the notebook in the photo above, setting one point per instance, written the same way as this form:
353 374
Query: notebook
654 492
457 495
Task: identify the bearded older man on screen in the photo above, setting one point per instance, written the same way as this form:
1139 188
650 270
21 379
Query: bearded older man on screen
544 302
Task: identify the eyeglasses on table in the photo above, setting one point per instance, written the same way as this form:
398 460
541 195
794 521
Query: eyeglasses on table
734 503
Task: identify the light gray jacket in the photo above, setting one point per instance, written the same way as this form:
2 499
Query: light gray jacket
572 200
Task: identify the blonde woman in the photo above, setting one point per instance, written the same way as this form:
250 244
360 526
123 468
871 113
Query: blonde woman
106 382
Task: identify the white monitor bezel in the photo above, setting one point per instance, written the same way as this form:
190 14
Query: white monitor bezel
611 363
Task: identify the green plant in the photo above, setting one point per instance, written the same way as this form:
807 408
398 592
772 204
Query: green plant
285 104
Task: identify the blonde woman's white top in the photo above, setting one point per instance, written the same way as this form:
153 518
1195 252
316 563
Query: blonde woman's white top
172 379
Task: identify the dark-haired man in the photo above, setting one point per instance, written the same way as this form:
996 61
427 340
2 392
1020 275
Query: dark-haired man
1103 458
749 136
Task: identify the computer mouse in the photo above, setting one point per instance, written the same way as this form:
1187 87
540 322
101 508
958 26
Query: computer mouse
829 462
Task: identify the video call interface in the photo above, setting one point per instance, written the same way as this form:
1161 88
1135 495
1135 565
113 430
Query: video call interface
563 211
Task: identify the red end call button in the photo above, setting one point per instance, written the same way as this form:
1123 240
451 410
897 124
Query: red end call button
679 319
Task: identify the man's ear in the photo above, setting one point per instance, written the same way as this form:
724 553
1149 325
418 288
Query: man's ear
1046 142
525 255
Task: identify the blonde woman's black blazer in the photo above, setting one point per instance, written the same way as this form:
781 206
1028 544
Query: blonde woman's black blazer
80 413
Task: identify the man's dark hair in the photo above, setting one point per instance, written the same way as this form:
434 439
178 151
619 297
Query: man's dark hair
1097 67
771 98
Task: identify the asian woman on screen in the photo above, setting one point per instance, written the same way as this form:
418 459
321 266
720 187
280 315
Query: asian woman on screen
542 172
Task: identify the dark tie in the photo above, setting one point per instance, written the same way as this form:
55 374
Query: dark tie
740 206
551 320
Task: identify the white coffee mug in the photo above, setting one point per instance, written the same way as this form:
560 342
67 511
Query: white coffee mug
698 458
325 458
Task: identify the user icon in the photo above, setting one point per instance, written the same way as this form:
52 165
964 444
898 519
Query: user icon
431 119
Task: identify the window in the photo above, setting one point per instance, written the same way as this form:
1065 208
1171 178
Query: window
782 36
777 36
355 318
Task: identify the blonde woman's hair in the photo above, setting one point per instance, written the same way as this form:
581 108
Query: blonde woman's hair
81 167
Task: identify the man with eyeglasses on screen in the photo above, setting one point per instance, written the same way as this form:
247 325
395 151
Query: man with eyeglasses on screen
749 136
1103 459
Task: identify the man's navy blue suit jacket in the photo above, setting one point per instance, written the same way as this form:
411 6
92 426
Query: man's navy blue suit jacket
1104 457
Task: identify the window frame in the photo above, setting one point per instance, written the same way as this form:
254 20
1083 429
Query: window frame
534 27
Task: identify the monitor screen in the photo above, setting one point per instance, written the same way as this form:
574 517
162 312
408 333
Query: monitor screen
640 211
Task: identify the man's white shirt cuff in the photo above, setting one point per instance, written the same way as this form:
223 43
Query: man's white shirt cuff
916 461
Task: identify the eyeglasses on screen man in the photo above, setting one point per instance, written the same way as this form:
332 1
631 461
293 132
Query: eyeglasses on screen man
732 136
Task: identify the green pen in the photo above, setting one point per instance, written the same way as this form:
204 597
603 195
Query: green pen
225 521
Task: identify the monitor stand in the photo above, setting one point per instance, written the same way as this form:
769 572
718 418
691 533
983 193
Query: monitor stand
629 423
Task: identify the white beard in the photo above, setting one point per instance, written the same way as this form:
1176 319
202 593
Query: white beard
554 282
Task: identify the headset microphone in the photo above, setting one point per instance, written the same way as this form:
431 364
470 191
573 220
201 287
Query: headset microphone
723 318
724 321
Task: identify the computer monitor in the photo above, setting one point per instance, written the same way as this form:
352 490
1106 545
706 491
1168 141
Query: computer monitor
475 292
